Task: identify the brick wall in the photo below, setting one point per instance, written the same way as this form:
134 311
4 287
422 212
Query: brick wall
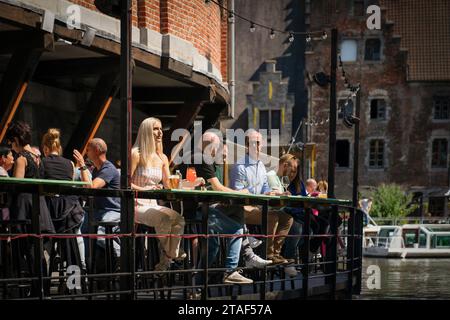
196 22
149 14
90 5
408 129
204 25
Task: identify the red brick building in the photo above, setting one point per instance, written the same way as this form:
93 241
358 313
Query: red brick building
59 66
405 92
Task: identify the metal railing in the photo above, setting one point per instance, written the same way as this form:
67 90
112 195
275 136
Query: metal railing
411 220
338 273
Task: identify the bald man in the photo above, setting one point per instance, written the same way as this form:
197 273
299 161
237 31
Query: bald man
250 174
104 176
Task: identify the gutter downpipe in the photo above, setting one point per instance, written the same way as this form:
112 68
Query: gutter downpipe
232 67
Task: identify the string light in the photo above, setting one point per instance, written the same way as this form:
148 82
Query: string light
308 38
272 34
291 37
315 122
233 15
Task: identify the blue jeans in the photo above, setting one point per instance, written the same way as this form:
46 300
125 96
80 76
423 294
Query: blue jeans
104 216
292 243
219 223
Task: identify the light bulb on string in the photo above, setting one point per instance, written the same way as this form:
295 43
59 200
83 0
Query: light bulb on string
252 27
231 17
308 38
324 35
272 34
291 37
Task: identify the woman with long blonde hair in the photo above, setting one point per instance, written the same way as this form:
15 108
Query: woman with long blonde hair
150 167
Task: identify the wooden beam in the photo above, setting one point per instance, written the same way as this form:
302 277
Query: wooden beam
184 120
76 67
21 17
15 40
90 120
15 81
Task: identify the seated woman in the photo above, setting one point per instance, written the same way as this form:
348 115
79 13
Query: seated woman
18 136
149 166
66 211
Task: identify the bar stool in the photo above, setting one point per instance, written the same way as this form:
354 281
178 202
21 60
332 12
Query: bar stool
64 253
111 262
16 260
147 255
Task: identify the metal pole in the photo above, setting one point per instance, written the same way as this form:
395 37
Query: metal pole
232 68
264 225
205 249
356 150
127 252
125 91
332 133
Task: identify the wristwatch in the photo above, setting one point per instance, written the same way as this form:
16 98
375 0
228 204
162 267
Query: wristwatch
83 168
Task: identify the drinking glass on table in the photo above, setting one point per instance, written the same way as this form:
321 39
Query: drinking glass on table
174 181
285 182
191 174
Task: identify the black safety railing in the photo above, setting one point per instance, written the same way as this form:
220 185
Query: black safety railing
331 272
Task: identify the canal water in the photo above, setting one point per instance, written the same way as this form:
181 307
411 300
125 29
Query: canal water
406 279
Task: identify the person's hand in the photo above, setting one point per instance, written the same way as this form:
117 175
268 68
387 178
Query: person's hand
244 191
274 193
155 187
199 182
286 193
79 158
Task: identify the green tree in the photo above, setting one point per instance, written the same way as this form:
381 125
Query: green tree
391 201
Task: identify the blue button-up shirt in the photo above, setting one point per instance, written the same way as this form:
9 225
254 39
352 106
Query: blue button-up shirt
249 174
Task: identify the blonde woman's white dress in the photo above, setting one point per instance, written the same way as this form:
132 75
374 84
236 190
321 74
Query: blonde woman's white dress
163 219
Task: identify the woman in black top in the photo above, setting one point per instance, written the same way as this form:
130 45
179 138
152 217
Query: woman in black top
65 210
18 136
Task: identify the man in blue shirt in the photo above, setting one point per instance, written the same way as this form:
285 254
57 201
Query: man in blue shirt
250 173
104 175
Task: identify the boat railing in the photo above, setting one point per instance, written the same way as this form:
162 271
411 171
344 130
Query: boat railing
411 220
384 242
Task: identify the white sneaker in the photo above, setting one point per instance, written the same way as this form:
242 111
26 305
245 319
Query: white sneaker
290 271
257 262
236 277
254 243
448 193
